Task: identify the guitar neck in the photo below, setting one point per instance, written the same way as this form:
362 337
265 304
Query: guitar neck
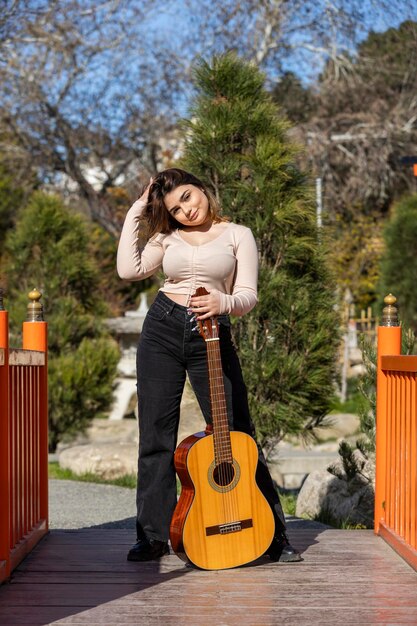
221 433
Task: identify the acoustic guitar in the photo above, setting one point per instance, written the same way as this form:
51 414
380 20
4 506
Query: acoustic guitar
222 519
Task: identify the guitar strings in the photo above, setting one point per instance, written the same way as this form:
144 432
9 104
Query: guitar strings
222 449
229 497
218 410
225 447
215 398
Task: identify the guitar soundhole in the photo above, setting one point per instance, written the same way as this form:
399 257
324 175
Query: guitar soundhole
223 474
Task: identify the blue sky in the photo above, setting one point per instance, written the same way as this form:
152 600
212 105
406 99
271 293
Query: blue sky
173 22
173 26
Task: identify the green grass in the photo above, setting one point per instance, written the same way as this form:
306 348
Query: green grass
353 404
288 502
355 401
55 471
128 480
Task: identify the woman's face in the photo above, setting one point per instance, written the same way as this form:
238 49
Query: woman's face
188 205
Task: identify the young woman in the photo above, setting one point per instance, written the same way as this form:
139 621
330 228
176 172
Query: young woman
195 247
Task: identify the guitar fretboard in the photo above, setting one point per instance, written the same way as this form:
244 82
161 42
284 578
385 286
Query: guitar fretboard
222 444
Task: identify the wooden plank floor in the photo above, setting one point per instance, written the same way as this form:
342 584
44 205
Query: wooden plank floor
82 577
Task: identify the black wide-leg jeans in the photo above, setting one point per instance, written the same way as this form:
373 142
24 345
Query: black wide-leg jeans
170 347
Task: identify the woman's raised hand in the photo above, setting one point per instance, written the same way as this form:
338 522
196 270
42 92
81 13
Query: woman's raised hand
145 193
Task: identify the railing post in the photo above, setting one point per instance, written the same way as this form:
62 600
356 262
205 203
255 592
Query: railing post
389 343
4 445
35 337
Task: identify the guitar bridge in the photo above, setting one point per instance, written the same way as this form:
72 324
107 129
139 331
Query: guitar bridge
233 527
229 527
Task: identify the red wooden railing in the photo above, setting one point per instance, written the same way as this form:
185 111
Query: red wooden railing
23 439
396 440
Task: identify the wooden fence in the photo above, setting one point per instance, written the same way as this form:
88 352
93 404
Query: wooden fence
396 440
23 438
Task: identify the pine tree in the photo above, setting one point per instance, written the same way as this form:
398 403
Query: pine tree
49 249
398 266
11 198
236 141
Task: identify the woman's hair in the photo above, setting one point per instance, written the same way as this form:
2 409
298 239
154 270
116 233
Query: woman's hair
156 214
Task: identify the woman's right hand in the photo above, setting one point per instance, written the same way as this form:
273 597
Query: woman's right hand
145 193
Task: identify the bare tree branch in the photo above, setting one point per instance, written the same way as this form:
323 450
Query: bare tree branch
94 85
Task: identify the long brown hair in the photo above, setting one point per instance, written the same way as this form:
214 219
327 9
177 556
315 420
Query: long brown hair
158 219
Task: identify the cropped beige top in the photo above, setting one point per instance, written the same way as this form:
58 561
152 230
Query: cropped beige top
228 263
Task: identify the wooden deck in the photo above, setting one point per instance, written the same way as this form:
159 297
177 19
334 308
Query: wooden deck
82 577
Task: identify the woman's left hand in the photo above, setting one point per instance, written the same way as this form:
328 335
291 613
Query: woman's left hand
206 306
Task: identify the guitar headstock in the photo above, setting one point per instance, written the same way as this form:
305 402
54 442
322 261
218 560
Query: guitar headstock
209 328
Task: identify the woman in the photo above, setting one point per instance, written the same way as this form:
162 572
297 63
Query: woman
195 247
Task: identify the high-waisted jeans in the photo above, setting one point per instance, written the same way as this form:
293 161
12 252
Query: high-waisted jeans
168 349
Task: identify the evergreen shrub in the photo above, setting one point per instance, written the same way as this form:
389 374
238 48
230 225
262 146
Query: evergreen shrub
237 142
49 250
398 265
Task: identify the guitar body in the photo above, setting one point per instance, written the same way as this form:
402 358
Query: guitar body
222 519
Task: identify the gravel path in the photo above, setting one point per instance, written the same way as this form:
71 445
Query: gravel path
75 504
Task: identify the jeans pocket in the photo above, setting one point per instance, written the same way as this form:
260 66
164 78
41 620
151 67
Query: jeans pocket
156 312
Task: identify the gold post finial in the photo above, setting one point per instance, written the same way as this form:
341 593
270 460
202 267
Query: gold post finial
35 308
390 312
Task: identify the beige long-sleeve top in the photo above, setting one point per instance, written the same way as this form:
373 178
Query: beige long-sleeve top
227 264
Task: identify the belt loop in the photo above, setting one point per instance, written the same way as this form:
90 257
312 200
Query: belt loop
171 307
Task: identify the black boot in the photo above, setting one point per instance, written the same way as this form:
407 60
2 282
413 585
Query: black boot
148 550
281 550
